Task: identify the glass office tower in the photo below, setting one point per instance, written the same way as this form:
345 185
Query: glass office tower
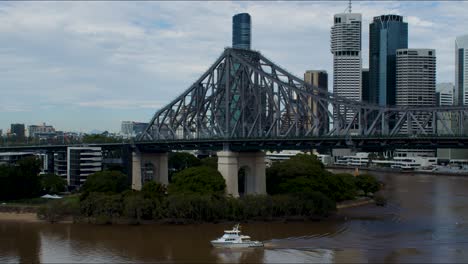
461 70
241 31
387 33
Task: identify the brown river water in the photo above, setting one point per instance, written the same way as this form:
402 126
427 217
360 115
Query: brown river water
426 220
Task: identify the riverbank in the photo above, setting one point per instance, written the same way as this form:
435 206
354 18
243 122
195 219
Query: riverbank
28 214
391 170
20 217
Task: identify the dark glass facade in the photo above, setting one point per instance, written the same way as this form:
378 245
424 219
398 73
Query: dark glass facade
241 31
18 130
461 71
387 33
365 85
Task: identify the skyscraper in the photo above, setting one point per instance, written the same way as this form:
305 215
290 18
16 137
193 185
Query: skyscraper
18 130
415 86
346 50
318 78
241 31
415 77
461 70
387 33
365 85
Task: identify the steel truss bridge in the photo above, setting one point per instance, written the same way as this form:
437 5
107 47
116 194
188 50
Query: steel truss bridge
244 99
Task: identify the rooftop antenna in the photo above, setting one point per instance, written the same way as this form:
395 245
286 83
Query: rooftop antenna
349 6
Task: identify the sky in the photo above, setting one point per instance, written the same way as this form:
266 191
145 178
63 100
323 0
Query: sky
82 66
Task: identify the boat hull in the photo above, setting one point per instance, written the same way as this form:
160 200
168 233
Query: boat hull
249 244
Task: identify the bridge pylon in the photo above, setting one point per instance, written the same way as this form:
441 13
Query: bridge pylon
253 165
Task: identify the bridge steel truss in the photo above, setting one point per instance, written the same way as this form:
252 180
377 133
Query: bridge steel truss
244 95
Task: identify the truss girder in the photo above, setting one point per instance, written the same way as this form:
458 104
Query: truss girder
245 95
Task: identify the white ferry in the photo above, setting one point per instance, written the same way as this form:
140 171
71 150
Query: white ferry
233 239
414 163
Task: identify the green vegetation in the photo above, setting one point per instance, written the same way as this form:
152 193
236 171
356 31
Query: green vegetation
105 182
303 174
20 181
57 210
199 180
100 138
211 162
299 188
53 184
181 160
367 183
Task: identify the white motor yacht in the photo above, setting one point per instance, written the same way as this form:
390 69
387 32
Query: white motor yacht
233 239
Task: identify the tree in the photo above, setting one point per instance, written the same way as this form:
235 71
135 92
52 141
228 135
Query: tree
342 186
210 162
301 165
106 181
201 180
153 190
21 180
182 160
367 183
100 138
51 183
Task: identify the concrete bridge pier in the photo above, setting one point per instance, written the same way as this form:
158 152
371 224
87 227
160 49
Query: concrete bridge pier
149 167
229 164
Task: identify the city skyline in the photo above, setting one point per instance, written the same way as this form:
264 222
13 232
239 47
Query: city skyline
93 72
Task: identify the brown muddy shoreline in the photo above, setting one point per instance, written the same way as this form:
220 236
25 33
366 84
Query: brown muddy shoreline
27 214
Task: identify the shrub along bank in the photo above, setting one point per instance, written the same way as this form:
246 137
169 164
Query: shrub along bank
299 188
133 207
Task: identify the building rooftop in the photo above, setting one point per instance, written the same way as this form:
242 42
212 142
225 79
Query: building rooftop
462 41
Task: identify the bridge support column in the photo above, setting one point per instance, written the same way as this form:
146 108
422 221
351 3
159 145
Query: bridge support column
136 171
228 166
147 167
230 162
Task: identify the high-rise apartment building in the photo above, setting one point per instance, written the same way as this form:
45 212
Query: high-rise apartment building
387 33
241 31
132 128
17 130
461 70
41 130
82 162
319 79
346 50
416 78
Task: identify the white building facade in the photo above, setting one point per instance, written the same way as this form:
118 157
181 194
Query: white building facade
347 62
82 162
445 94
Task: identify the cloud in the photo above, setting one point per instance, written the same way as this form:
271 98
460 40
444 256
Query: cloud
121 104
129 57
